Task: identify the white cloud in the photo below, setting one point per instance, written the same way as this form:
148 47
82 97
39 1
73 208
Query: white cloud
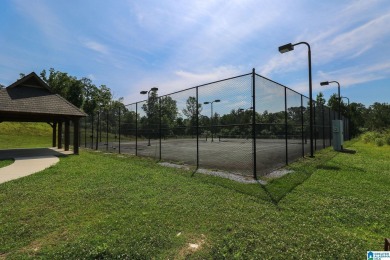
352 32
98 47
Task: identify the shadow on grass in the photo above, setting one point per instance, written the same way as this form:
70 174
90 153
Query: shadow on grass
303 169
348 151
328 167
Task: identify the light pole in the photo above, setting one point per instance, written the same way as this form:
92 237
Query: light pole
325 83
143 92
349 115
289 47
211 118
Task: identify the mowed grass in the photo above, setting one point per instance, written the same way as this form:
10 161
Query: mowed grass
96 206
25 135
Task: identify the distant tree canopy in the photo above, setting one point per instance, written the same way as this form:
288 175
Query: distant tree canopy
80 92
163 110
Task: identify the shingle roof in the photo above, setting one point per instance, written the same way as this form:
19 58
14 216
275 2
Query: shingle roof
31 95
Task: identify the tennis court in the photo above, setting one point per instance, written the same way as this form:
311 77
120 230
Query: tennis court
231 155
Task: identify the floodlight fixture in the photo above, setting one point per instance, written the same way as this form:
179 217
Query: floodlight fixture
286 48
324 83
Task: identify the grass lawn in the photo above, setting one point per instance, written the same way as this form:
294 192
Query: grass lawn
107 206
4 163
25 135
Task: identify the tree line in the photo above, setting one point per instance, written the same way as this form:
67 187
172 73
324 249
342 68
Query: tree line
163 111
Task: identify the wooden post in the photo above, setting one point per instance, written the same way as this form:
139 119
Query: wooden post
54 126
387 244
76 136
59 137
67 135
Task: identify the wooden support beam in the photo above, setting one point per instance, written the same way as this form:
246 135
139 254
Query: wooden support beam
59 137
76 141
54 126
67 135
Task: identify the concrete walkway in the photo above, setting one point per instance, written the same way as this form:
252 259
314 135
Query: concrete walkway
28 161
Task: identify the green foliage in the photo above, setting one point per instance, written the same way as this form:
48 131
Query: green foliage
380 141
66 86
378 117
4 163
378 138
387 139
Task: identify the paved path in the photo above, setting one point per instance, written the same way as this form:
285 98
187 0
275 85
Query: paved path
28 161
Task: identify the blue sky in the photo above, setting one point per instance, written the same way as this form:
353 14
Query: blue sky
135 45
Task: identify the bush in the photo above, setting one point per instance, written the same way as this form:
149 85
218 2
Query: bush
370 137
387 139
379 141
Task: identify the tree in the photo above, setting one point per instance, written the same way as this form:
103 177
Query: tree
64 85
90 96
153 107
193 108
320 98
333 103
356 115
378 116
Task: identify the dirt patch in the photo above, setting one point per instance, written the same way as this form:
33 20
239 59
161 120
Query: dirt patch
191 247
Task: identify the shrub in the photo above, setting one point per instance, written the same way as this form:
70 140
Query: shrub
387 139
379 141
367 137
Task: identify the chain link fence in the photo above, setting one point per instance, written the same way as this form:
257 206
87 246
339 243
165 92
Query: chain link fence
247 125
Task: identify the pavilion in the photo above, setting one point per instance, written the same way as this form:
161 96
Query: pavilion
30 99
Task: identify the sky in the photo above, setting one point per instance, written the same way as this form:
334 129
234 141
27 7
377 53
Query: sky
134 45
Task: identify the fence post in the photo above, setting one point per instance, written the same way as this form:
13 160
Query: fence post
302 129
107 129
254 122
330 128
119 130
315 124
92 130
285 122
97 131
136 129
160 130
197 128
85 132
323 126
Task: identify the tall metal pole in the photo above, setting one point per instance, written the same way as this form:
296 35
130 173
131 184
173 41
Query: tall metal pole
197 128
311 101
211 122
339 100
286 123
149 130
289 47
119 129
254 122
136 129
107 129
